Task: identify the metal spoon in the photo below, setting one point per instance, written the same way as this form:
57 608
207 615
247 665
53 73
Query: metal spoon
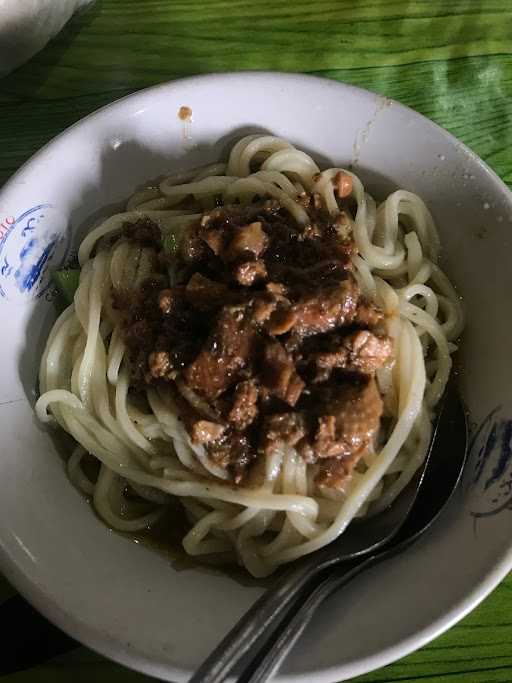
437 488
303 587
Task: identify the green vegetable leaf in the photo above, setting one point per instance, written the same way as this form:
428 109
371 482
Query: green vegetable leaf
170 243
67 282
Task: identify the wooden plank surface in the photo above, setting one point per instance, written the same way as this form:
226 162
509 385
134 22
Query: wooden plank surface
452 61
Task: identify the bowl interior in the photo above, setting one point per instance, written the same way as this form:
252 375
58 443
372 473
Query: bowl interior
102 587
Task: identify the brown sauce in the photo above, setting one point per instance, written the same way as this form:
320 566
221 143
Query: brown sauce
185 113
165 537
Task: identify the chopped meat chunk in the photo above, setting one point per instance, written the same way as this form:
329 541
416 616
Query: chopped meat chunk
245 405
327 308
310 232
214 238
279 374
342 184
234 452
367 352
287 428
325 441
263 307
204 431
204 293
192 247
206 377
276 288
360 351
227 351
249 273
343 228
165 301
351 418
281 321
367 314
335 472
159 364
249 239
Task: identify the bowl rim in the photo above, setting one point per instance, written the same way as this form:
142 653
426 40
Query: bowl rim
113 648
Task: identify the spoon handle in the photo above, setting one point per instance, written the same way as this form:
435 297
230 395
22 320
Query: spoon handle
267 660
258 623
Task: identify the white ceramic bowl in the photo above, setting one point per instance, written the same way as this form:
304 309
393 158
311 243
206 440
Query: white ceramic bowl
128 602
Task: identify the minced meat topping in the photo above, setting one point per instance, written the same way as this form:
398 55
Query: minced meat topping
268 328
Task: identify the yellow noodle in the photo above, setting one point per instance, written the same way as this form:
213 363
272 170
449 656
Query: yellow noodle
84 373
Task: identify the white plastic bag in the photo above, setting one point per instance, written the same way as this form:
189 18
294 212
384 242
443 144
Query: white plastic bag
27 25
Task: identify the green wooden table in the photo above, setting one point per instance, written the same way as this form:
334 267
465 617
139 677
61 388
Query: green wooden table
450 60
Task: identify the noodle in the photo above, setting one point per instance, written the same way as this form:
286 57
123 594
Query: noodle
84 372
